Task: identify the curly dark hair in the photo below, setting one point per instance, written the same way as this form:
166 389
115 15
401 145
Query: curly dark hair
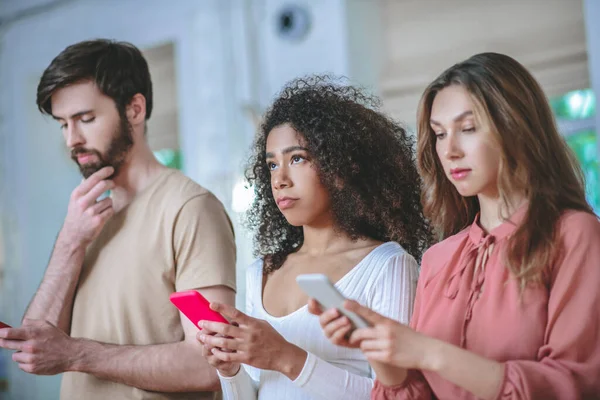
365 160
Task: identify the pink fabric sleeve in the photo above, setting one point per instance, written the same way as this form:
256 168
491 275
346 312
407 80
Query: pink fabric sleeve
568 365
415 387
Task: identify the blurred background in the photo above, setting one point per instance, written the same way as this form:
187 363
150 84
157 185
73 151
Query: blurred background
217 64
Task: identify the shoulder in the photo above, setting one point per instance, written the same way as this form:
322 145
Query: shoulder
184 188
391 253
577 231
255 267
181 192
254 278
253 287
390 257
254 273
578 251
579 224
388 250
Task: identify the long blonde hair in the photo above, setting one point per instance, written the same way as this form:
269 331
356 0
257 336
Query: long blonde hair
535 160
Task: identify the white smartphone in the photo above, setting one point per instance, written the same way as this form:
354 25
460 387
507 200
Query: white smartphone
319 287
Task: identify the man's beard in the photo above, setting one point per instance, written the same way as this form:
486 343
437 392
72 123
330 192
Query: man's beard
115 156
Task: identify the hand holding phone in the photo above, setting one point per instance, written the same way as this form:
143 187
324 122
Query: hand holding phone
195 307
319 287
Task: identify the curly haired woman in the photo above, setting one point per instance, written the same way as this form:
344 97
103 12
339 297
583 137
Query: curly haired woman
338 193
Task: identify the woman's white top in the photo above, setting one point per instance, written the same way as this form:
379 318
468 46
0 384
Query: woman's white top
385 281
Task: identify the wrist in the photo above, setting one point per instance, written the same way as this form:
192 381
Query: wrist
77 355
433 355
389 375
66 242
292 361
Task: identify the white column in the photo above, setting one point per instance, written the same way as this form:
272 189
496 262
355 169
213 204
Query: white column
296 38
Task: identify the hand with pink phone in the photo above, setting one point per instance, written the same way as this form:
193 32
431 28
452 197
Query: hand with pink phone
195 307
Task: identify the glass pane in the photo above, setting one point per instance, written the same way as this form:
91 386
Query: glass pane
169 157
579 104
585 146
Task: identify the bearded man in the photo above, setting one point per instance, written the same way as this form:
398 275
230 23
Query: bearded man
102 314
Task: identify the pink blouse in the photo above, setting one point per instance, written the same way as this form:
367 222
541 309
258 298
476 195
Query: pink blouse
548 337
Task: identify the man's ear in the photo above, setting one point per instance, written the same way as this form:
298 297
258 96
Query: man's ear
136 110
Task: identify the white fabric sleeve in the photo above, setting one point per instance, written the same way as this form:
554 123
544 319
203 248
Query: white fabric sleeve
392 295
243 386
239 387
324 381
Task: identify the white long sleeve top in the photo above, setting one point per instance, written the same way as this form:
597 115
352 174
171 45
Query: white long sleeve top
385 281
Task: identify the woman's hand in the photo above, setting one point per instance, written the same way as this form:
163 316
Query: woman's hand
335 325
389 342
337 328
250 341
228 369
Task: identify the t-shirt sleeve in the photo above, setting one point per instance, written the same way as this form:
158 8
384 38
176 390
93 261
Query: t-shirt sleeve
203 245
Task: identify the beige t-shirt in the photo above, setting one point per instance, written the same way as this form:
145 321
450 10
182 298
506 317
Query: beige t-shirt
173 236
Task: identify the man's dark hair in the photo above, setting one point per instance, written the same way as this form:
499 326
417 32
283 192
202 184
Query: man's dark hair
118 69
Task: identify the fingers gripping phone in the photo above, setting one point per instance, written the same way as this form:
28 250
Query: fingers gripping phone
319 287
195 307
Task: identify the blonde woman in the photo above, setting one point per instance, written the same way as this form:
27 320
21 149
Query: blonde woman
508 305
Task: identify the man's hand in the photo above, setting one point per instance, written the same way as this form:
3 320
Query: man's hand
86 217
41 348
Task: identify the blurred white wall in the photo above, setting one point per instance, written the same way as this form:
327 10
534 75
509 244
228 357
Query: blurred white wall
424 37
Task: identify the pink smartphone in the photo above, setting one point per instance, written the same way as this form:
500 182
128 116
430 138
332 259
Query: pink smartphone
195 307
3 325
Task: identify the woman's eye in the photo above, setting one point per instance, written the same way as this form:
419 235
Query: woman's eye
297 159
440 135
271 166
87 121
469 129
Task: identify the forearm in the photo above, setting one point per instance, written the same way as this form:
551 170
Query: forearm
479 375
173 367
53 300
